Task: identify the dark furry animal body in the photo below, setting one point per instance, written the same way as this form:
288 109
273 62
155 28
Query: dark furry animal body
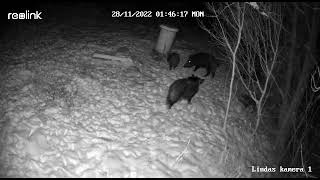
184 88
173 60
203 60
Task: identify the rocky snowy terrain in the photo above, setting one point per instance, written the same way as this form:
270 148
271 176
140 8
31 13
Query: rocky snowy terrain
65 114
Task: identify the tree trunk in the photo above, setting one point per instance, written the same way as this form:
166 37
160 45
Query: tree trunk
291 58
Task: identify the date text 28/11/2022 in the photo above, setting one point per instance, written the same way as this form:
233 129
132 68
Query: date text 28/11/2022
157 14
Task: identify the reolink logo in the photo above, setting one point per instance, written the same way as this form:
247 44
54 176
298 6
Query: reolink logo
26 15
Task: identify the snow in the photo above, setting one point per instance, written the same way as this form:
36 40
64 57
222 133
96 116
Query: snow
62 115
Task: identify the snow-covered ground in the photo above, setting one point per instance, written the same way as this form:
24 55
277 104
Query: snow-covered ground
66 114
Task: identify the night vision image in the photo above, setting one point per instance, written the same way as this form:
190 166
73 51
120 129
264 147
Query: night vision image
189 89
